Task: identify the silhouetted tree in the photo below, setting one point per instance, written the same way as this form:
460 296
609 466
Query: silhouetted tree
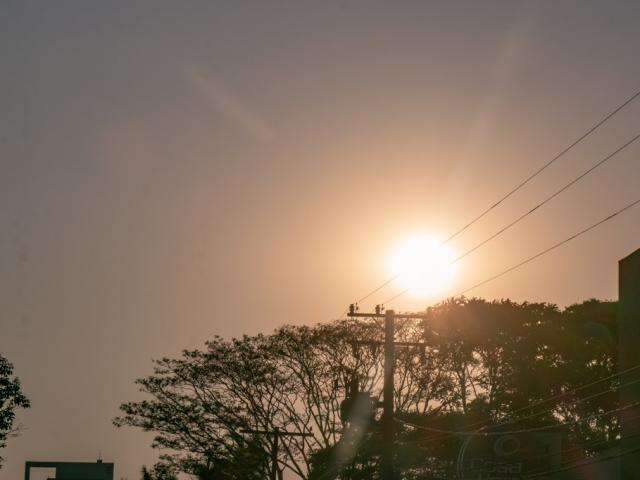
160 471
484 362
145 474
248 460
11 397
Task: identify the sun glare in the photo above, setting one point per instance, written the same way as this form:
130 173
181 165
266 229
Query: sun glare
423 266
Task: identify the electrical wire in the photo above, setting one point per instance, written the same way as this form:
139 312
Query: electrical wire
553 247
576 464
480 425
546 200
581 447
539 254
560 396
546 165
529 212
560 452
519 431
524 182
584 463
576 448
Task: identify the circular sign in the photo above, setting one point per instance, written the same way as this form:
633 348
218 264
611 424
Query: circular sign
493 455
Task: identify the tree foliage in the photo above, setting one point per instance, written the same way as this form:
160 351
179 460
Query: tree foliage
11 398
160 471
485 362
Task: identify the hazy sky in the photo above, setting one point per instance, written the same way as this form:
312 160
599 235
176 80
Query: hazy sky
175 170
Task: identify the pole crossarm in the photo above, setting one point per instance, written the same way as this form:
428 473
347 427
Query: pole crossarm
379 313
399 316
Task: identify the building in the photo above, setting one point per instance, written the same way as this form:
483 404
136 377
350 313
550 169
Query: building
73 470
629 356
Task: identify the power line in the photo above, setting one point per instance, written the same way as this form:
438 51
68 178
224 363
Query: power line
584 463
553 247
562 395
377 289
580 447
544 252
483 424
548 199
546 165
572 391
534 209
569 465
575 464
480 433
522 183
546 427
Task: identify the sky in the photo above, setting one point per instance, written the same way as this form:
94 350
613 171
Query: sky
170 171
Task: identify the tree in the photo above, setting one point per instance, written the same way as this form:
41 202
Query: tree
160 471
11 398
200 403
484 363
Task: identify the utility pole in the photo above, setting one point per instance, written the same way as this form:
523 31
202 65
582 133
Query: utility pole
389 343
276 433
388 426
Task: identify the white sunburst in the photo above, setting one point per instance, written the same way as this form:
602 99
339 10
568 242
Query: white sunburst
423 266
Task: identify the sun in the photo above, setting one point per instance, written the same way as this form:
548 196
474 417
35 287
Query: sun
423 266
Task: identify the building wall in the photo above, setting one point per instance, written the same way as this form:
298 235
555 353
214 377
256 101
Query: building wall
74 470
629 351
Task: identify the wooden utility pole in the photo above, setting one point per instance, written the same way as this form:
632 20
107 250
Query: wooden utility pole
389 343
276 433
388 427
